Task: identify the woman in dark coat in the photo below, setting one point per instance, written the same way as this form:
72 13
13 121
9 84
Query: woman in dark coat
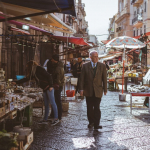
44 80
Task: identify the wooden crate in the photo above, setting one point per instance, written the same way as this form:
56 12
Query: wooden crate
13 114
2 111
28 141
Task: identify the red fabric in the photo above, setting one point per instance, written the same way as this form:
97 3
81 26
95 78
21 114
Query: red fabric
136 37
74 40
140 94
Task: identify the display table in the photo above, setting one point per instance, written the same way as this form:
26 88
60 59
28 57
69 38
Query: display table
135 79
139 94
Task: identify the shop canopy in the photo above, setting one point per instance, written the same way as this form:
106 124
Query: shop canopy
74 40
31 26
42 7
50 22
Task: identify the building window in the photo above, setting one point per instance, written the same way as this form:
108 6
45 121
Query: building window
144 28
137 32
140 31
137 10
120 7
134 33
134 13
145 6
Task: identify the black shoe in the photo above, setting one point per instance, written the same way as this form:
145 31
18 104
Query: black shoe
43 122
55 122
90 125
97 127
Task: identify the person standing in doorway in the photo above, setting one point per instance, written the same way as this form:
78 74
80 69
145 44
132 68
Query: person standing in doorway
93 82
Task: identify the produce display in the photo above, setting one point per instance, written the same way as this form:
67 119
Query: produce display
138 89
18 98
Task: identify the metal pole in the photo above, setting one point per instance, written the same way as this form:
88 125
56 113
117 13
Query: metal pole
11 59
123 69
146 57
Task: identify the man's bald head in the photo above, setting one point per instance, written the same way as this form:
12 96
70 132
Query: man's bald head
94 56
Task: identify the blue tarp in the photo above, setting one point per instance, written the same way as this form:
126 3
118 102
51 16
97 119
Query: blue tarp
45 5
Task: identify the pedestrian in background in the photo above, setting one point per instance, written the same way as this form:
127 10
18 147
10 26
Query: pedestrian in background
58 79
74 68
79 67
107 67
44 80
93 81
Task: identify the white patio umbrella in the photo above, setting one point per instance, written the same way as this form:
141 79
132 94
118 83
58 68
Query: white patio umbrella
125 42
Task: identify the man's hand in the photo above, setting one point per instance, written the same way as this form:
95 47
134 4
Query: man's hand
105 93
81 93
51 88
56 86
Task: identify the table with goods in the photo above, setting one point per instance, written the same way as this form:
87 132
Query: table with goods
16 102
115 76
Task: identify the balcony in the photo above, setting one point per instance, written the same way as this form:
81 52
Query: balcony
136 3
118 29
137 21
124 13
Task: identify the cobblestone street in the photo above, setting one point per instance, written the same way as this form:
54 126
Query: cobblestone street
121 130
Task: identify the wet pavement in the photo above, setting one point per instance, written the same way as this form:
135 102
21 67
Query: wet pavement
121 130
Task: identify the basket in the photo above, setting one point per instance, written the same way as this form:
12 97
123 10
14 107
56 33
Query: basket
65 106
70 93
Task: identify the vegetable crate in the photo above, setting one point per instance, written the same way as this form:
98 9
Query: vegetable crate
24 145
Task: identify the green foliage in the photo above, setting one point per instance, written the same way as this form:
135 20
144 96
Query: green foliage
7 141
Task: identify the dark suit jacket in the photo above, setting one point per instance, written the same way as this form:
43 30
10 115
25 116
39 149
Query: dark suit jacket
89 83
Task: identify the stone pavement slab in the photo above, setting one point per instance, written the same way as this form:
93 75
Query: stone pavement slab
121 130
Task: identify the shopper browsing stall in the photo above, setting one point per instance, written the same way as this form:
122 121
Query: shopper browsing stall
44 80
56 67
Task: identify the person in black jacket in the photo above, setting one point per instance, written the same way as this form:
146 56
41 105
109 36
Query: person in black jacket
107 67
44 80
56 68
79 67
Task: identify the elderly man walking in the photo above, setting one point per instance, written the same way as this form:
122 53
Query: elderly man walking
93 82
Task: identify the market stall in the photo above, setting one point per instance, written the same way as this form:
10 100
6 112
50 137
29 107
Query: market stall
16 103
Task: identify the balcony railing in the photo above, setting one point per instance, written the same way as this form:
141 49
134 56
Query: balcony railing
133 1
137 18
136 3
124 12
